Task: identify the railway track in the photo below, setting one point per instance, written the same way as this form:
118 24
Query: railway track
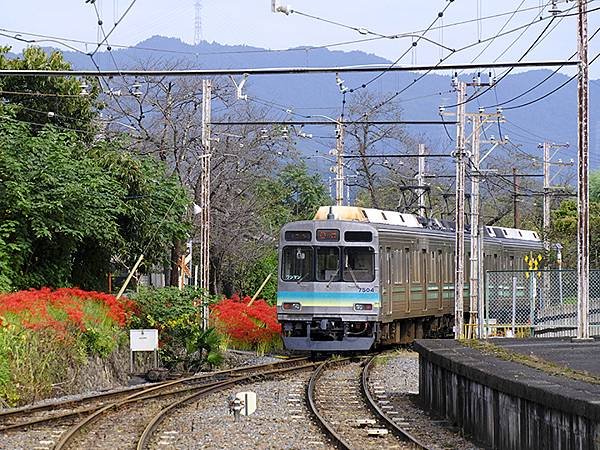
121 423
61 422
349 413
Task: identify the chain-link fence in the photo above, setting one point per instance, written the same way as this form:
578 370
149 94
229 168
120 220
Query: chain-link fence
537 303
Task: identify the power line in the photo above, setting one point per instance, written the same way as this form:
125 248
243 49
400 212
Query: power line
526 26
414 44
61 39
278 70
321 122
539 39
106 36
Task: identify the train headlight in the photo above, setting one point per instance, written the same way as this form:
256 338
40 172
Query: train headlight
292 306
363 306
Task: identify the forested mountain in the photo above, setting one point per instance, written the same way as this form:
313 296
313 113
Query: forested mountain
553 118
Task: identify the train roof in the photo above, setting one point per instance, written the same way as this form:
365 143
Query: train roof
382 217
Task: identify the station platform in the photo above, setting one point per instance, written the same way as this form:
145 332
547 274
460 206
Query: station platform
504 402
579 356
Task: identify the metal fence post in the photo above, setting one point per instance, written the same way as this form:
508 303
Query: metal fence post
514 304
533 295
487 305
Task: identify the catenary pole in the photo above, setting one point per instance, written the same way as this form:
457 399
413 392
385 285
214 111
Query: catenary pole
339 168
583 220
205 195
459 279
474 260
421 181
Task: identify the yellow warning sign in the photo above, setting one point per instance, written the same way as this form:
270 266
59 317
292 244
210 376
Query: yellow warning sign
533 263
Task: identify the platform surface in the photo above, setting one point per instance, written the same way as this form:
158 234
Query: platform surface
578 355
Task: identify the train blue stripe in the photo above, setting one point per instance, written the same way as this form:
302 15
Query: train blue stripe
337 298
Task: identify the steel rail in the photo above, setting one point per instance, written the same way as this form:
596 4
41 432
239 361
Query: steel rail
281 70
396 429
141 396
339 441
151 427
73 402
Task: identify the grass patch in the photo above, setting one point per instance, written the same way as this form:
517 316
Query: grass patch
45 334
534 362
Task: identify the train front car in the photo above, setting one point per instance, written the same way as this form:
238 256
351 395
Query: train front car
328 289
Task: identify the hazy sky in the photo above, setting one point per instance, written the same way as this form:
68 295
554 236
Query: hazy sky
251 22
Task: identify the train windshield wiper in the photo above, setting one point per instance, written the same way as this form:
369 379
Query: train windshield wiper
301 279
333 276
353 277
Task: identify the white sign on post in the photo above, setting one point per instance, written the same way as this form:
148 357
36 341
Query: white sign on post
249 401
143 340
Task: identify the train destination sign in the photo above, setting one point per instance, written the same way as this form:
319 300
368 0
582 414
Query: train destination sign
298 235
328 235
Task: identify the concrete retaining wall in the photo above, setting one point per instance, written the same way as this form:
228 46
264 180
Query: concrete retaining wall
506 405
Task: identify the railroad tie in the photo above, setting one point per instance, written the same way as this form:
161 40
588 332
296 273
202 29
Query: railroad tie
377 431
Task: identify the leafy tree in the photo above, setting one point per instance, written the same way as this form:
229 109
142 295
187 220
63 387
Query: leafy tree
293 195
50 100
564 226
65 208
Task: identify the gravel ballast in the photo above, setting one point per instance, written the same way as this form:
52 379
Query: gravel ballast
281 421
398 374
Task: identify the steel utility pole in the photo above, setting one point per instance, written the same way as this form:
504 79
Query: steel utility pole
339 167
474 280
479 119
547 146
583 219
515 198
459 280
421 181
205 194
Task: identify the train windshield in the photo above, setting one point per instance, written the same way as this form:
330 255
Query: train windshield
359 264
328 264
297 263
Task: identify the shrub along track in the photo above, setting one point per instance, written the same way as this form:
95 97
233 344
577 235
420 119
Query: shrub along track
121 423
340 401
52 419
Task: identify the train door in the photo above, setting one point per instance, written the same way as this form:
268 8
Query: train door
440 260
425 266
384 282
407 277
388 279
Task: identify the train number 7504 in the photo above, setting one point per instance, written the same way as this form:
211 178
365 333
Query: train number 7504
371 289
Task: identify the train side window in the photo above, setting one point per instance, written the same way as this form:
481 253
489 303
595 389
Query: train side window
449 266
416 267
399 267
390 261
406 273
433 265
511 262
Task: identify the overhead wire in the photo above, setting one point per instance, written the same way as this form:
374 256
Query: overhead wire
397 93
421 36
538 40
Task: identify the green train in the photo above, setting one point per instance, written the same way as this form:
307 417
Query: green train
354 277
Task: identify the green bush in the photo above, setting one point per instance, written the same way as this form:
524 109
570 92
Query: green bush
177 316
